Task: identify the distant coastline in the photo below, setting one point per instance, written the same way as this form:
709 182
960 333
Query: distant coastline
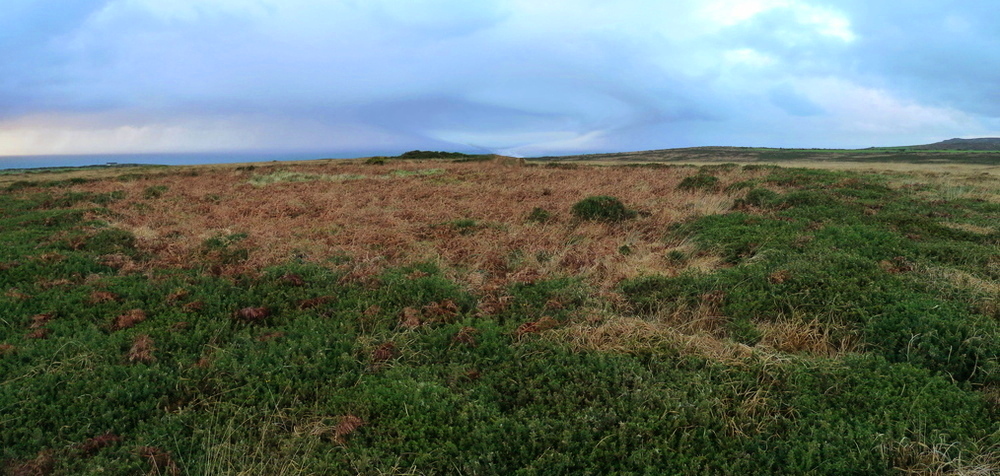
82 160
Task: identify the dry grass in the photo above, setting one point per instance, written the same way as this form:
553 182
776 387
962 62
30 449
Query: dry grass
128 319
917 457
160 462
951 183
795 335
400 215
985 292
142 350
629 335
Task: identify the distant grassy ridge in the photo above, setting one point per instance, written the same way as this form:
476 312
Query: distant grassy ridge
751 154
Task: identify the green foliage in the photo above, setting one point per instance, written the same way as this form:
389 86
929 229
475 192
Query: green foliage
820 255
699 181
744 331
602 208
154 191
376 160
760 197
111 240
539 215
224 249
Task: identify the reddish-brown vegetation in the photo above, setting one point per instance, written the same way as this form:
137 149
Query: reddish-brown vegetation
896 265
384 352
128 319
42 465
160 462
177 295
40 333
543 324
142 349
410 318
315 302
442 311
39 320
15 294
252 314
466 336
384 220
347 425
293 279
98 297
9 265
97 443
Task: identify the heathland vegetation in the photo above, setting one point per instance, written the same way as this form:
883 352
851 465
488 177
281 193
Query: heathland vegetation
456 316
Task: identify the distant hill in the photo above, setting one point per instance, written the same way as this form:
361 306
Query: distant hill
985 143
946 152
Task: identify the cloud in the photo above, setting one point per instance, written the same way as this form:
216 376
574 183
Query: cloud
514 75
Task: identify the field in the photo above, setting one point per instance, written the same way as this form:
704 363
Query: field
441 316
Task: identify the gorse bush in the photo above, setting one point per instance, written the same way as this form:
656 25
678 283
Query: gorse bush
602 208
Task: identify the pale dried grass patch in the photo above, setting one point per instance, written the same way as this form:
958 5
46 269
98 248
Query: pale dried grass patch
952 185
979 230
985 292
917 457
629 335
795 335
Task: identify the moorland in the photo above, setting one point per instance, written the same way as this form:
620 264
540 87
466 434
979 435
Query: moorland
587 315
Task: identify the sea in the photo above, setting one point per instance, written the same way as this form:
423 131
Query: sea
40 161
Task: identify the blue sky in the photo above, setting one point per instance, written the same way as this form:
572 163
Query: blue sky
520 77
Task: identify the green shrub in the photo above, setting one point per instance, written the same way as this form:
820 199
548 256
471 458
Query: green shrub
741 185
602 208
759 197
111 240
744 331
110 197
21 185
224 249
154 191
376 160
701 181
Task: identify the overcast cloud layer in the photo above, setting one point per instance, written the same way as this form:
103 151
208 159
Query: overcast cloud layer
521 77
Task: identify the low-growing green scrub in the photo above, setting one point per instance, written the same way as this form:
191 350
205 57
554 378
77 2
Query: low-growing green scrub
701 180
602 208
154 191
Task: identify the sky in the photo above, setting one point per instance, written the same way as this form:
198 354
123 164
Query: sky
516 77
